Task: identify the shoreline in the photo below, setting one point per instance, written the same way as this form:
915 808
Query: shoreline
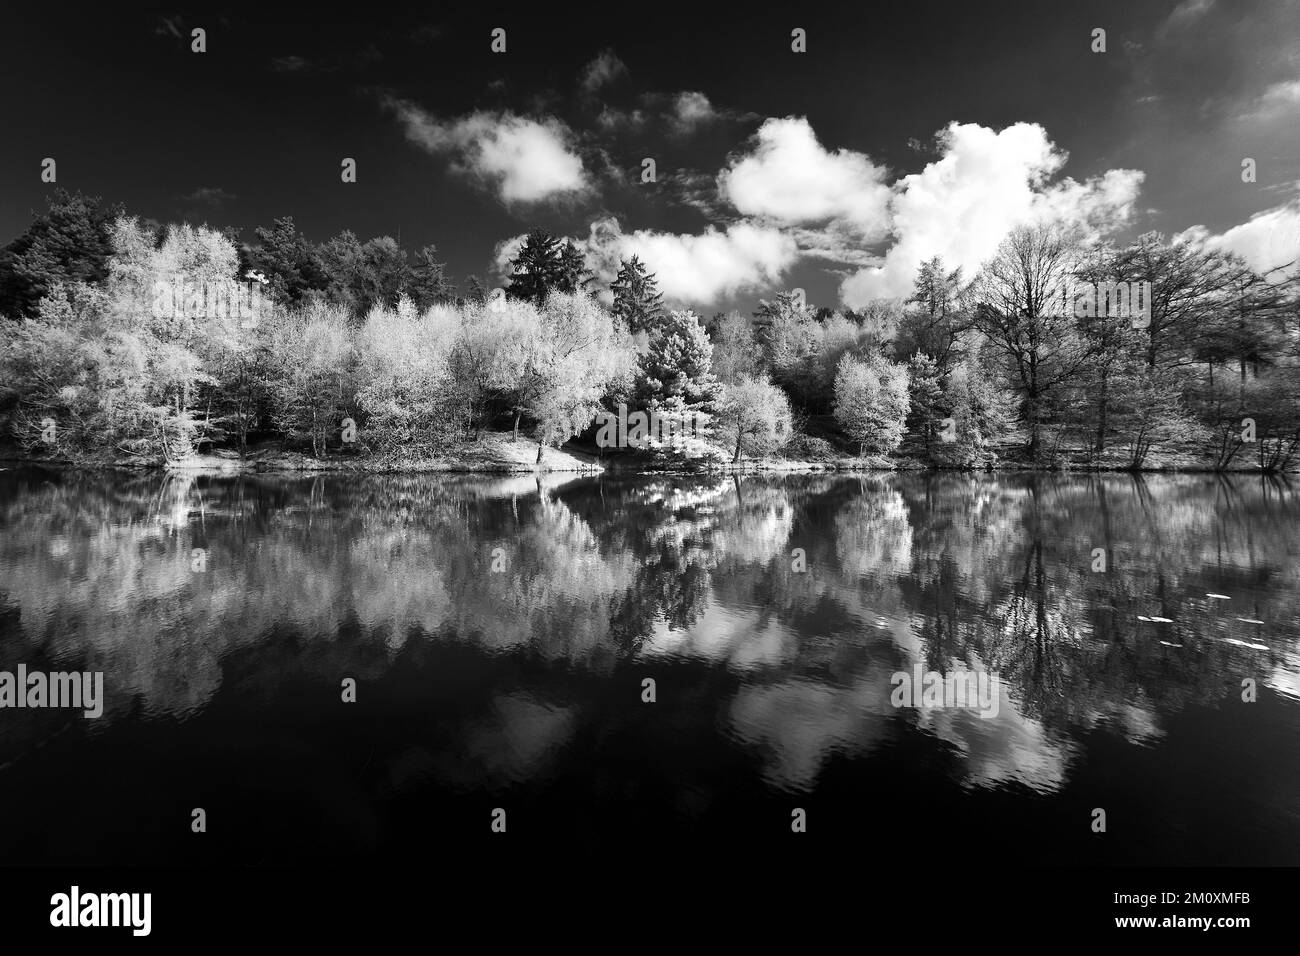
287 465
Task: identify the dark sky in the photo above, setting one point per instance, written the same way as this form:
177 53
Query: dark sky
256 127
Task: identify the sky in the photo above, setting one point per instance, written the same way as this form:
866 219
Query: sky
901 132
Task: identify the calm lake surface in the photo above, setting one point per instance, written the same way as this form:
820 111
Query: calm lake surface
499 631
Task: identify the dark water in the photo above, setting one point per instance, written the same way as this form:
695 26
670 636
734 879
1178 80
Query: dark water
521 688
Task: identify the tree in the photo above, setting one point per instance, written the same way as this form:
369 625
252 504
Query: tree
402 365
185 331
363 275
476 292
572 274
313 385
1022 296
1187 286
1148 411
925 394
790 337
428 284
981 412
70 366
537 269
112 371
71 242
637 300
834 337
484 362
736 352
676 371
880 320
289 261
871 402
754 417
582 351
933 321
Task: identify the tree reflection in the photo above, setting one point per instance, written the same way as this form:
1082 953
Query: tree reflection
305 577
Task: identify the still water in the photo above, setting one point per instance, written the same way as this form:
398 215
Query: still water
500 632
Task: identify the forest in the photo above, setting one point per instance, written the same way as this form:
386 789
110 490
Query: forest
368 350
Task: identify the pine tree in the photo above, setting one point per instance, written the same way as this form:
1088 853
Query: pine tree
70 243
573 274
676 372
536 270
637 299
428 282
925 391
475 292
289 261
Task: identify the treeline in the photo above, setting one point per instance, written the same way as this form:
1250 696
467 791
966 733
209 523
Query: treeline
364 345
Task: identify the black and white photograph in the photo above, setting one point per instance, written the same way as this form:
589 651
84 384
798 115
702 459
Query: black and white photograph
820 468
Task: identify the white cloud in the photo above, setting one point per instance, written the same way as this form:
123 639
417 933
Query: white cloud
691 109
791 178
1267 240
691 269
602 70
986 183
702 269
504 253
525 160
1187 12
1277 101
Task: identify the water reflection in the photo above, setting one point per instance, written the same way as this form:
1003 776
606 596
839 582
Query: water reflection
772 612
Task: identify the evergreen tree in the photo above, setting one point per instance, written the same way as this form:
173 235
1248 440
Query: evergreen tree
289 261
475 292
637 299
536 270
925 392
675 373
70 243
428 282
572 273
363 275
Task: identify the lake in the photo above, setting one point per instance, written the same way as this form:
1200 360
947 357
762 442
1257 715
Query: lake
501 633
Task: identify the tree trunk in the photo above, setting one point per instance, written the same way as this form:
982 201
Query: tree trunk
1101 419
539 453
518 412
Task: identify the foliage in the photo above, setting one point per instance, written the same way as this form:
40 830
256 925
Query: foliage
753 418
871 402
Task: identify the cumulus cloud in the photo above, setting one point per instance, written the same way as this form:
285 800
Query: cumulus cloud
1266 241
701 269
696 270
523 159
691 109
602 70
504 253
984 184
792 179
